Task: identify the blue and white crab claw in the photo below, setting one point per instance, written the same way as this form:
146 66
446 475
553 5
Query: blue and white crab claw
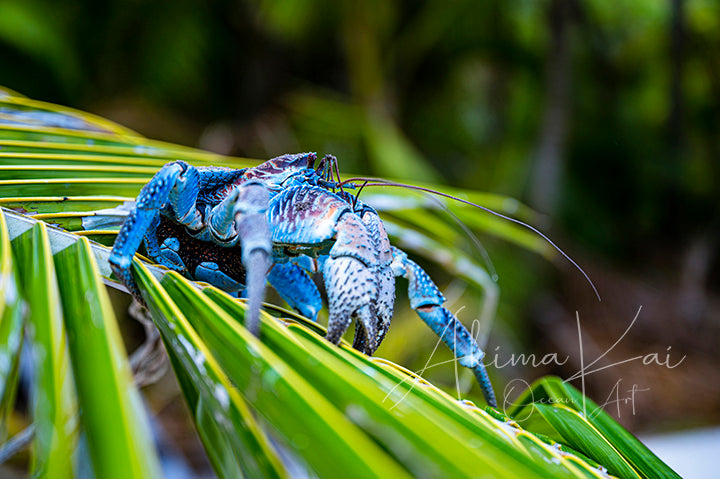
352 290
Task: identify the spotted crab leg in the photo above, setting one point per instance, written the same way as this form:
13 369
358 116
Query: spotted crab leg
426 299
176 184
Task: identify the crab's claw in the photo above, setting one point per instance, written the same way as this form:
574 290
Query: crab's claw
352 284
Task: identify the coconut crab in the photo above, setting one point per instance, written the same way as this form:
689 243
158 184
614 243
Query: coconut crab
277 222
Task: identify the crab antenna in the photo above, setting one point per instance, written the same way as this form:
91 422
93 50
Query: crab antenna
357 195
382 182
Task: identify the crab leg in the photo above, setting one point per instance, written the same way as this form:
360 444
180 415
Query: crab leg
427 300
297 288
176 184
251 221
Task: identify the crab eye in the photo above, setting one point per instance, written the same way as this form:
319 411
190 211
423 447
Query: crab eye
311 159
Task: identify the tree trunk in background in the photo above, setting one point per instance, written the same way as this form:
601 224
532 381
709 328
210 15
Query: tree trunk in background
677 37
549 156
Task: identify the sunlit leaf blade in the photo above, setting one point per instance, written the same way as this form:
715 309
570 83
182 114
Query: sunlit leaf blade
579 422
637 454
59 204
53 405
11 328
14 132
553 390
233 440
5 91
23 172
113 417
482 221
309 423
571 427
22 111
127 187
14 152
436 437
555 457
92 154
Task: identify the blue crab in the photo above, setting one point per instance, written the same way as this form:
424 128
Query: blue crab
279 221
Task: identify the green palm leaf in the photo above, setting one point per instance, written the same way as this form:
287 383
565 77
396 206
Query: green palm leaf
54 406
113 418
288 403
